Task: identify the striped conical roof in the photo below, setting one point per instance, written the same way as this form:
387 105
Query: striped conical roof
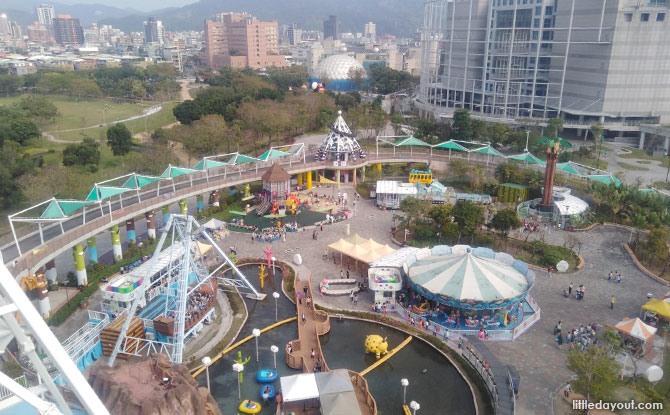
463 275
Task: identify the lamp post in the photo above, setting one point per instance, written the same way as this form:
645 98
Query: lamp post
527 136
239 368
274 349
273 265
406 232
256 334
275 295
405 383
414 405
207 361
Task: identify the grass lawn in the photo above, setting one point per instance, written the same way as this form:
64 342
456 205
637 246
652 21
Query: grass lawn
79 113
160 119
632 167
643 161
636 153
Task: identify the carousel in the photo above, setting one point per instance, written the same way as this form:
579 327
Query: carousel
461 288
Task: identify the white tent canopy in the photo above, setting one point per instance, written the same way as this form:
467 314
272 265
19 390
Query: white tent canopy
635 327
299 387
213 224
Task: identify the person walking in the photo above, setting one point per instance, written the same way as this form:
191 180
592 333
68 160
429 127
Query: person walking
609 276
612 301
567 390
351 296
570 288
341 274
355 299
347 274
618 279
304 318
559 329
304 290
313 354
549 271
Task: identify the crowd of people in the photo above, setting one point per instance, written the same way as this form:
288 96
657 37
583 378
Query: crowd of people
269 235
578 338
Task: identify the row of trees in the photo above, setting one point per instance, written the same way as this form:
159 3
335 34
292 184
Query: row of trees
153 82
385 80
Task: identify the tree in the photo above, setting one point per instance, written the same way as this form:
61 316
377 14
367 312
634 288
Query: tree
187 112
119 139
479 130
504 221
415 210
38 107
468 216
357 77
554 126
596 372
498 133
597 132
86 153
462 125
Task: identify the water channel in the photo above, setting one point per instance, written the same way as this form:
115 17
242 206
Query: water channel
440 390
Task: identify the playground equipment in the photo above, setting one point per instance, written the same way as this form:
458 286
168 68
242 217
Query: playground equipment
243 362
249 407
292 204
421 176
267 392
275 208
37 284
262 274
376 344
266 376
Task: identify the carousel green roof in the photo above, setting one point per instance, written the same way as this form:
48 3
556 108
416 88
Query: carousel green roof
467 274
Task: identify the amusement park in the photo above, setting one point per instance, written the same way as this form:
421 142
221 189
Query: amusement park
289 283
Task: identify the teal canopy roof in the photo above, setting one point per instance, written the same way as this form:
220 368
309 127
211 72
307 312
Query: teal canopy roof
241 159
527 158
103 192
411 141
206 164
569 167
450 145
488 150
172 171
467 276
136 181
61 209
272 154
605 179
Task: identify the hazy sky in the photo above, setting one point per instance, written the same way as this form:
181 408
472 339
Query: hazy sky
143 5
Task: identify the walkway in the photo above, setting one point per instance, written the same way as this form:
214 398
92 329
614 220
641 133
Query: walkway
36 254
499 370
316 323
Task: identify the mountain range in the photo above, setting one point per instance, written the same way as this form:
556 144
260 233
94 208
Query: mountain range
398 17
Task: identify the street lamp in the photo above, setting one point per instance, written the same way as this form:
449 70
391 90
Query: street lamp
274 349
256 334
406 232
275 295
405 383
238 368
415 407
207 361
527 136
273 265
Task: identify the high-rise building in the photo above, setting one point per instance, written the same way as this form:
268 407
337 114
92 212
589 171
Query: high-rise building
45 14
38 33
330 29
240 40
4 25
294 34
370 30
586 61
153 31
67 30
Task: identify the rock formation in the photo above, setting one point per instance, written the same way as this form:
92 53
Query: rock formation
152 387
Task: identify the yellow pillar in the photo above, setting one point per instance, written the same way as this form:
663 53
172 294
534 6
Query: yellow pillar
299 179
379 167
363 173
337 173
309 180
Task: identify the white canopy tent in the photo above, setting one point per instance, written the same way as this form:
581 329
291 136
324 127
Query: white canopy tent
214 224
299 387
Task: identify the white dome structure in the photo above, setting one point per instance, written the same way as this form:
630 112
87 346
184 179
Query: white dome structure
337 67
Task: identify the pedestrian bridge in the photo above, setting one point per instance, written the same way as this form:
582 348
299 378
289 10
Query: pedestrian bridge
38 248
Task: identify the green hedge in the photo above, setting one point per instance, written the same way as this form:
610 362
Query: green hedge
96 273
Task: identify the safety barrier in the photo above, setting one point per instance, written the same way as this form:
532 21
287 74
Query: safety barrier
485 373
6 393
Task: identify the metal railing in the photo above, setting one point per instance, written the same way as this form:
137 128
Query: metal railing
485 373
6 393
